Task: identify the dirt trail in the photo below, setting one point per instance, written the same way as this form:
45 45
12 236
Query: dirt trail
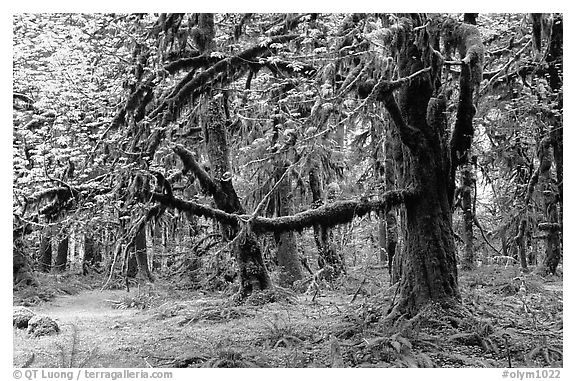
93 304
98 327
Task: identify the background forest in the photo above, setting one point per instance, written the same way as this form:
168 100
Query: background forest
294 190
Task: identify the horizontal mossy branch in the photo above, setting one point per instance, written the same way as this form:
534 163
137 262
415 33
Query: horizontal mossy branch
329 215
64 193
550 227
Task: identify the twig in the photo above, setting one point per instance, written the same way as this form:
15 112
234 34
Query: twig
358 290
477 223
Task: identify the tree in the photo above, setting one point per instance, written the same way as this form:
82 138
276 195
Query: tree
228 116
61 260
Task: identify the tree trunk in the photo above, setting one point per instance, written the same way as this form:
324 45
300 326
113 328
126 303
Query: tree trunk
138 258
61 260
470 18
428 265
327 253
521 244
252 271
466 189
22 271
536 32
132 269
142 255
89 254
553 254
391 146
45 254
288 261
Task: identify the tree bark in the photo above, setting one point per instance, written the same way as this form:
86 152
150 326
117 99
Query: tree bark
288 261
327 253
141 255
89 252
429 272
536 32
468 215
470 18
252 271
391 147
521 244
132 269
45 254
61 260
22 271
553 253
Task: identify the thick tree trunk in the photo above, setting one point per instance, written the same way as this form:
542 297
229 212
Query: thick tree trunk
288 262
45 253
468 215
428 265
61 260
327 253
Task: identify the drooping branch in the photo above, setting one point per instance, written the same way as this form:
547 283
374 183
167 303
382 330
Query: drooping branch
336 213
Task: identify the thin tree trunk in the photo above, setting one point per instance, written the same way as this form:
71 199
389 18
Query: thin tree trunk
536 32
89 254
327 253
132 269
141 255
391 147
553 253
45 257
288 261
521 243
61 256
468 236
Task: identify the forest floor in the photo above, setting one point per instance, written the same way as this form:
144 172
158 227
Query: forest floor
512 319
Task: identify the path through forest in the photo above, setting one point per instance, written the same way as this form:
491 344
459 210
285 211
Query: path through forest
184 328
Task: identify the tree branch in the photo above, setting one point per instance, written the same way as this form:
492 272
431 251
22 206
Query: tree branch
328 215
409 135
463 133
192 165
189 85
